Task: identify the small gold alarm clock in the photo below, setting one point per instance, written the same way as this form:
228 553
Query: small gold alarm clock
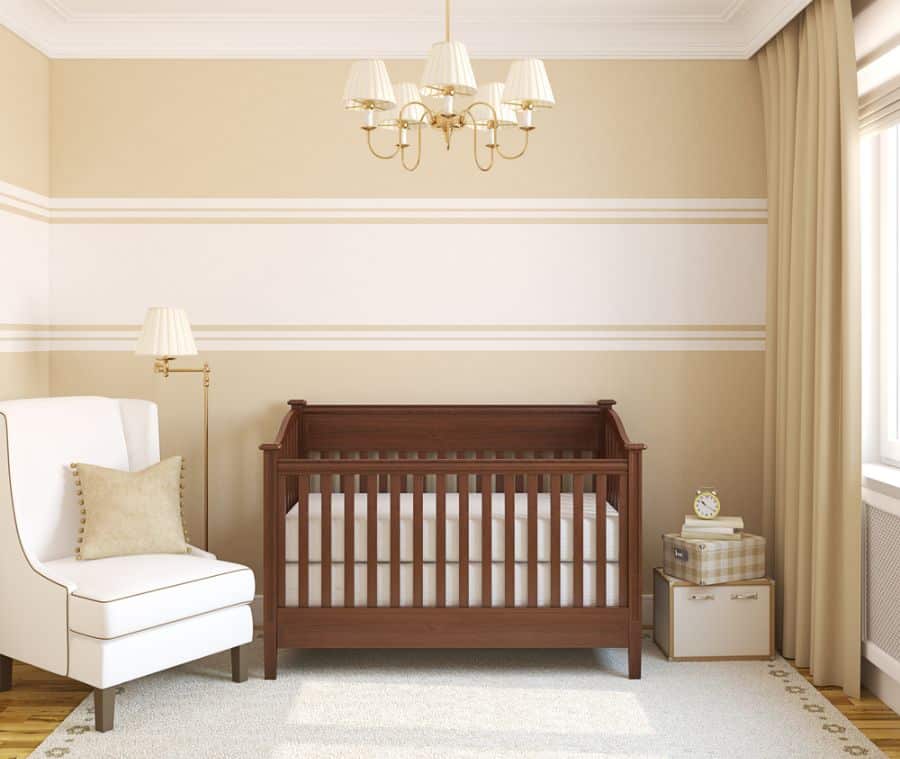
707 504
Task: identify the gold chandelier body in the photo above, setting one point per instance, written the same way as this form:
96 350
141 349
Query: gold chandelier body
448 74
447 124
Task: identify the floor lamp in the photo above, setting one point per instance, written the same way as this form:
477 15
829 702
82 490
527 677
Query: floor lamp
167 335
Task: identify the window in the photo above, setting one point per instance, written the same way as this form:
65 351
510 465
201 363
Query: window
888 202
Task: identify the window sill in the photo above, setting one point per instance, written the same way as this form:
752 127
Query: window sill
884 480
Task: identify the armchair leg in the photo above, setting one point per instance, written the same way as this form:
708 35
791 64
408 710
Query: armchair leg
104 709
6 665
239 664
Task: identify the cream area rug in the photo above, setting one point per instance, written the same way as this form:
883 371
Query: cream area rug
514 703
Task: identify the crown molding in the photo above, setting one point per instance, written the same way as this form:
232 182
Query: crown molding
568 29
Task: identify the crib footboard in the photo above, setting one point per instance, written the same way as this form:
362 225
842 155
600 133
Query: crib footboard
500 588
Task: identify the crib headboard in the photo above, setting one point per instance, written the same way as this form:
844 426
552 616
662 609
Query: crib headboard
492 431
449 428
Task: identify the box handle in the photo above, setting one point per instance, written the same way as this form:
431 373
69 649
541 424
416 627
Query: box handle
745 596
701 597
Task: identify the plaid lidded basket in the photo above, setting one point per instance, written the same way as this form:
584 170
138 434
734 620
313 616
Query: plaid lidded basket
710 562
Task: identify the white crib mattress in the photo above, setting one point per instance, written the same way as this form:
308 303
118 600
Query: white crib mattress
429 589
498 540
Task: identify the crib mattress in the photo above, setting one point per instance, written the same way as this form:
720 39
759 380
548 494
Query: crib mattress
429 589
498 541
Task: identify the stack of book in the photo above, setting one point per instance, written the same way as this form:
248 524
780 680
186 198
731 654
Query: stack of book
719 528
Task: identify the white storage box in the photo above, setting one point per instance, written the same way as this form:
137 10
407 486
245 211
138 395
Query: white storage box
732 621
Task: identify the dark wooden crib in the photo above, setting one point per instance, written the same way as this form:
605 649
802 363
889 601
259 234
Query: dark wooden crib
472 452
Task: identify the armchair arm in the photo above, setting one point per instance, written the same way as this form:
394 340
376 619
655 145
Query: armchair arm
200 553
54 577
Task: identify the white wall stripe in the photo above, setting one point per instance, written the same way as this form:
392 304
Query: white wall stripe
341 209
653 261
546 339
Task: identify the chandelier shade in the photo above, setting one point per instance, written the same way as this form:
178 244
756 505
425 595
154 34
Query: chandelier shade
405 92
527 85
492 94
368 86
448 69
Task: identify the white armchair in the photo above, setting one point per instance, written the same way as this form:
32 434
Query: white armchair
107 621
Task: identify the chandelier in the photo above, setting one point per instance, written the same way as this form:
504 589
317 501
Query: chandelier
402 108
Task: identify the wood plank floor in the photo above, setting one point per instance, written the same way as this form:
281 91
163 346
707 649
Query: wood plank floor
39 701
876 721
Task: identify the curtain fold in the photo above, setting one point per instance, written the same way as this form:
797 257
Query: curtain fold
812 488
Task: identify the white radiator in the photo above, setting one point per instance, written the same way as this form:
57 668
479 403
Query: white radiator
881 575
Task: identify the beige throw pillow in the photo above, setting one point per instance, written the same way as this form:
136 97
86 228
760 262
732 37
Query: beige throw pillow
125 513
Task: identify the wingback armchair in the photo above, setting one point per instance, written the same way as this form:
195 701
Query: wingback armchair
107 621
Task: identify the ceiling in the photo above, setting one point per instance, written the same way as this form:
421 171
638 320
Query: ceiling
399 28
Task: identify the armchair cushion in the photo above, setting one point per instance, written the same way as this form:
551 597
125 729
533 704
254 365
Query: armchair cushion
126 594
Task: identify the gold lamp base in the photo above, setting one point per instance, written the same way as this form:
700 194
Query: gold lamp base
162 365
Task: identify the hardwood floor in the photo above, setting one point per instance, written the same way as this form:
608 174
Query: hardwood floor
39 701
876 721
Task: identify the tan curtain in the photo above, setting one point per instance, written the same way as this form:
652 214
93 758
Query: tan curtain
812 486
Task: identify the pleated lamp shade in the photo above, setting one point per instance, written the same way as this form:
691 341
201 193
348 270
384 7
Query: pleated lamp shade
368 85
527 84
167 332
406 92
492 93
448 68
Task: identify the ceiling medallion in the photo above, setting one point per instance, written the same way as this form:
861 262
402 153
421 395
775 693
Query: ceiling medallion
448 74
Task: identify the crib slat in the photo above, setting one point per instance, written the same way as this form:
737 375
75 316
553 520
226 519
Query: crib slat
440 498
326 539
555 537
462 482
487 519
509 546
382 478
578 543
395 539
372 541
532 540
348 485
303 541
520 479
601 540
623 540
418 488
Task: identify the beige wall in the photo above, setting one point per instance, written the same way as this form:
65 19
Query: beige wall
275 128
623 130
24 375
24 163
699 414
25 124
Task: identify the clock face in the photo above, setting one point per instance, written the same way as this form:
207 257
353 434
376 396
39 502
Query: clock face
706 505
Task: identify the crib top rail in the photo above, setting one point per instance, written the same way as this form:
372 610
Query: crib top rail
443 428
452 466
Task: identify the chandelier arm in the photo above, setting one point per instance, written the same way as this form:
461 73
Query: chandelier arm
515 155
475 152
462 120
418 153
375 152
420 120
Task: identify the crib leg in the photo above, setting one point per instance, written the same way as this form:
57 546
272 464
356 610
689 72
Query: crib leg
271 656
634 653
6 666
